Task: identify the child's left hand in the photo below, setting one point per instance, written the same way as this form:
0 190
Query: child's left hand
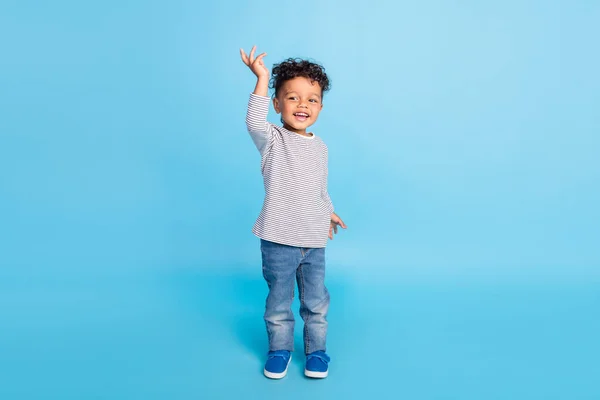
335 221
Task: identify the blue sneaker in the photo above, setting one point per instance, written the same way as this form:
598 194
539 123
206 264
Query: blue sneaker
277 364
317 365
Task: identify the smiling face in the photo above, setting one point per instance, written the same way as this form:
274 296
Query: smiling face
299 101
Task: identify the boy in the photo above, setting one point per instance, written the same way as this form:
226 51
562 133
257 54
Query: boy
297 214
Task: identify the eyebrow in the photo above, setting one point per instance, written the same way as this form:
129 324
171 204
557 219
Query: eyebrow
292 91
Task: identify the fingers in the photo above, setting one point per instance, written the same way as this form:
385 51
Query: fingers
244 57
249 60
259 58
341 223
335 228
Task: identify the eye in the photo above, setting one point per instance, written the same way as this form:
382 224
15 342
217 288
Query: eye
313 100
292 97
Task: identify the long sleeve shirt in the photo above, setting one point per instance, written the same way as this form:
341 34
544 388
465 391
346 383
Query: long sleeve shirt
297 208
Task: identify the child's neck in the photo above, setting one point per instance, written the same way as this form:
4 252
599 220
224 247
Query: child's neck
298 131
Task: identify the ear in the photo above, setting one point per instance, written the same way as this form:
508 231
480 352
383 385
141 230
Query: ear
276 105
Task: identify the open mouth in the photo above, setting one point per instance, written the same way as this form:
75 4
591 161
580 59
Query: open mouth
301 116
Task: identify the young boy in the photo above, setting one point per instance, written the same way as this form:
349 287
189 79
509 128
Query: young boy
297 214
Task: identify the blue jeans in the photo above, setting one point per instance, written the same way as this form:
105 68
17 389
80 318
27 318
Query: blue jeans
282 265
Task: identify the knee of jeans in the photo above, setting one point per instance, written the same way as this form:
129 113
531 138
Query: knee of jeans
317 304
278 315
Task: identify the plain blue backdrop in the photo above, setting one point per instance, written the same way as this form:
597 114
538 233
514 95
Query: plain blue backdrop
464 142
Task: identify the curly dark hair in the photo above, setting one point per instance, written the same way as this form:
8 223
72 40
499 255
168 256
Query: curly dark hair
295 67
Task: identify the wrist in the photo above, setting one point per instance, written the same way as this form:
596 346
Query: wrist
263 81
262 86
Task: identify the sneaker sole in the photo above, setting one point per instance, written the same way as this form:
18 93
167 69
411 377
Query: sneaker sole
316 374
277 375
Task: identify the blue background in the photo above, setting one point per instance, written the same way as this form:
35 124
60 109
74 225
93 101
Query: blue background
463 156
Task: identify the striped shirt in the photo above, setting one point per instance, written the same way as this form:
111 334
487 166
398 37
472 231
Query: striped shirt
297 208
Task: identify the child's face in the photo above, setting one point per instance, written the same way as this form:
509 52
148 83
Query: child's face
299 102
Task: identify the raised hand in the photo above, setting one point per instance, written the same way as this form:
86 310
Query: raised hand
256 65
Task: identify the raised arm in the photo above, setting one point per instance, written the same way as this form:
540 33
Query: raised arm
258 105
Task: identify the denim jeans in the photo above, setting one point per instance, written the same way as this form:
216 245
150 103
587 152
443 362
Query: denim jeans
282 265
